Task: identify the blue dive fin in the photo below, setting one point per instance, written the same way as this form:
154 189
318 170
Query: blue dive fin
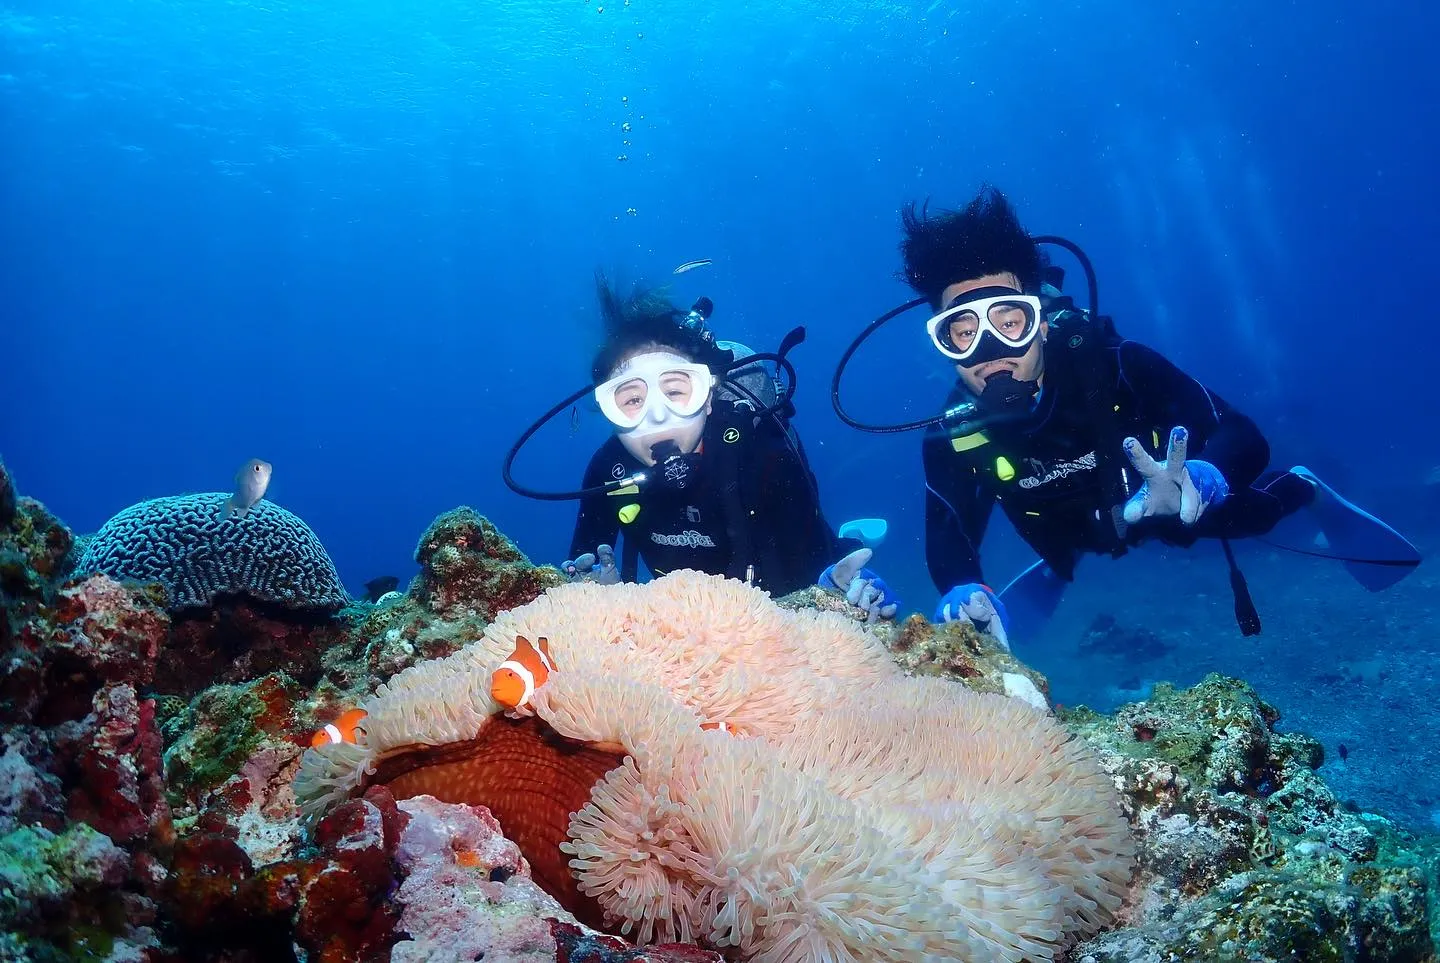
870 531
1031 598
1374 553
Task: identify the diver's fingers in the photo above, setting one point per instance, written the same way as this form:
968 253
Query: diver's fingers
1191 504
1140 458
606 555
849 567
888 611
1137 506
584 563
1177 450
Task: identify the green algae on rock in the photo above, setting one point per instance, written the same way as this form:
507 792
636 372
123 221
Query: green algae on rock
1245 854
35 552
470 573
1255 917
953 650
468 566
40 869
210 739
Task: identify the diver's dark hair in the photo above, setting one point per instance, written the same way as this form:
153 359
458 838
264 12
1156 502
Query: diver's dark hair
950 246
646 318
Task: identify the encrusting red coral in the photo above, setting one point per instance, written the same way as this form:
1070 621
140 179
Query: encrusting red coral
243 641
337 900
82 750
115 769
99 632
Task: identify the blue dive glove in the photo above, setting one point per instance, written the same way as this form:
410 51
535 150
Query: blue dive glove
1174 486
978 605
598 567
861 586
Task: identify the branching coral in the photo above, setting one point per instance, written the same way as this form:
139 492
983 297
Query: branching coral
842 811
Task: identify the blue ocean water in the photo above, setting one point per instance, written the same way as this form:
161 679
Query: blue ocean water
357 241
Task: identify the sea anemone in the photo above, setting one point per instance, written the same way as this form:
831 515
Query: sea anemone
841 810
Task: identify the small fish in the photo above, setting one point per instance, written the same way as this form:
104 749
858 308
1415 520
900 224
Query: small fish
692 265
1344 752
250 483
574 419
377 587
527 669
724 727
347 728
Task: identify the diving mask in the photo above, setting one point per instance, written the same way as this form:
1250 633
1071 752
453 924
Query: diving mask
991 323
655 387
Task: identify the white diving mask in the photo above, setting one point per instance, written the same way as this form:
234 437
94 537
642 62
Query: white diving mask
653 391
988 324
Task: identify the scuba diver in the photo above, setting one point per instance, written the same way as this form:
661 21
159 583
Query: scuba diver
703 470
1047 401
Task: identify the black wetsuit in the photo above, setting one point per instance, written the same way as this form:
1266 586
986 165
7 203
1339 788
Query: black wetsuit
1045 474
752 502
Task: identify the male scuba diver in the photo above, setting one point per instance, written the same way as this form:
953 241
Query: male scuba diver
702 472
1047 401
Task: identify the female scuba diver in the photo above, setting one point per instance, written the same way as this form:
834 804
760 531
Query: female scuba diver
700 472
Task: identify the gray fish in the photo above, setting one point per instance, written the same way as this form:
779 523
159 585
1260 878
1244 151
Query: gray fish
377 587
250 483
692 265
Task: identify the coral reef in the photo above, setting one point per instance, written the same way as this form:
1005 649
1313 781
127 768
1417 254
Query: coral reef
921 816
953 650
469 573
218 732
148 772
188 544
62 895
334 903
237 641
468 895
1244 853
84 822
93 633
469 568
34 550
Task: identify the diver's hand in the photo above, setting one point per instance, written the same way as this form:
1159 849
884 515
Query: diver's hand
861 587
597 567
1174 486
978 605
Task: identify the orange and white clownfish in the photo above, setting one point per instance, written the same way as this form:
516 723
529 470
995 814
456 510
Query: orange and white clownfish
515 682
725 727
347 728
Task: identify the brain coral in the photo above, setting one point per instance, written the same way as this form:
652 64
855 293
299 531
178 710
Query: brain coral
705 766
186 543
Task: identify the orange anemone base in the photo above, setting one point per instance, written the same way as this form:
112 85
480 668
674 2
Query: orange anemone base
529 776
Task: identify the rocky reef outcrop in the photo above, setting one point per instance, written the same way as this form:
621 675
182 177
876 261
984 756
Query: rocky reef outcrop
1244 852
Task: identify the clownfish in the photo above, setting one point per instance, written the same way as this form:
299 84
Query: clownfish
724 727
347 728
515 682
